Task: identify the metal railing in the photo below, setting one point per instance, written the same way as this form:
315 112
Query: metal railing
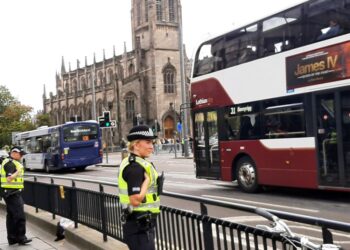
176 228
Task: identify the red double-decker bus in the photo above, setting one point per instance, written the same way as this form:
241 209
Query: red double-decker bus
271 100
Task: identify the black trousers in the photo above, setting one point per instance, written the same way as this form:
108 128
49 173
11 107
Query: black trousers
15 219
137 236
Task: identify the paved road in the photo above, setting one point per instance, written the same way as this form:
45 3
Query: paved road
180 178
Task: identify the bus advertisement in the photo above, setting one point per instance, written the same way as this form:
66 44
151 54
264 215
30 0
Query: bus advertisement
270 101
70 145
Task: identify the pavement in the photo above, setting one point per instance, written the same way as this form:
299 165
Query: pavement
41 228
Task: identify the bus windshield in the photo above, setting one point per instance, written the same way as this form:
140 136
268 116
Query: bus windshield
80 132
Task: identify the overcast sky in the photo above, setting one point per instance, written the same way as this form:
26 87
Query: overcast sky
35 34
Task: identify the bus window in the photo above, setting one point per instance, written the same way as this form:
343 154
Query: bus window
327 21
281 32
284 121
210 57
199 130
37 144
46 143
55 143
243 127
231 127
27 147
80 133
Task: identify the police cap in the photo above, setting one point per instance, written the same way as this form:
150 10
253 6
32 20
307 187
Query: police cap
18 149
141 132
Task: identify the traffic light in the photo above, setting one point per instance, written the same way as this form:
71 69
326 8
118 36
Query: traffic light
104 120
106 116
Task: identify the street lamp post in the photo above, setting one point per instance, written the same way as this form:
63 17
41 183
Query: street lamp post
138 119
183 85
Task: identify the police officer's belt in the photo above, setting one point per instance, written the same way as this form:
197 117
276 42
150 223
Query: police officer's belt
140 216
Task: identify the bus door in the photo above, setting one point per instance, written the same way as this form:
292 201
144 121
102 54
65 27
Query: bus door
333 138
206 144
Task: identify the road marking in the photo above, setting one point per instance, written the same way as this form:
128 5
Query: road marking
262 203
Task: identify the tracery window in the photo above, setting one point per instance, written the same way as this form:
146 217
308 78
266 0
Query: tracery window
169 79
171 11
130 106
146 10
159 6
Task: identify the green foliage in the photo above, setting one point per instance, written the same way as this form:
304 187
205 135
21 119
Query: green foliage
43 120
14 117
5 98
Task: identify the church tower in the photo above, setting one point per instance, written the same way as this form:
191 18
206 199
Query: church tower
155 38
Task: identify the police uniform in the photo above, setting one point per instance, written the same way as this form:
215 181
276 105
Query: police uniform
15 219
139 222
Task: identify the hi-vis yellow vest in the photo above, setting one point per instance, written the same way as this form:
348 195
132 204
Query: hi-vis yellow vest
15 183
152 199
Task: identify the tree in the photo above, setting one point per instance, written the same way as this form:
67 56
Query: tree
14 117
42 120
6 98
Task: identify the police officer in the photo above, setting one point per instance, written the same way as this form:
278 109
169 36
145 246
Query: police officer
12 183
139 190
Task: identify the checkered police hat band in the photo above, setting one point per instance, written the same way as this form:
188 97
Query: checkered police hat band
148 133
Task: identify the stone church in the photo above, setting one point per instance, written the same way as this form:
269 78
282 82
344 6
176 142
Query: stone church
138 86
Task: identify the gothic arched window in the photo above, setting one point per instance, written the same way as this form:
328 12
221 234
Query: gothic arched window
110 76
75 86
131 69
169 79
171 11
138 14
159 10
100 78
130 106
83 83
89 82
146 10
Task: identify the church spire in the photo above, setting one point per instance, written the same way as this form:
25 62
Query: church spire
44 95
63 68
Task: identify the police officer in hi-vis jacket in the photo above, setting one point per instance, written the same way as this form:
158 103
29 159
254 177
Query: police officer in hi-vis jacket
139 190
12 185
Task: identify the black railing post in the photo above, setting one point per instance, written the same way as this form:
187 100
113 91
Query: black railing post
327 236
34 197
74 205
52 199
103 214
207 230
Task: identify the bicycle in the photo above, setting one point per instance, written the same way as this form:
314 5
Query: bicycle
279 227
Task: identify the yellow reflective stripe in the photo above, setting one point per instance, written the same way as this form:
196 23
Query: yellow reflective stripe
18 182
155 204
150 190
13 183
123 191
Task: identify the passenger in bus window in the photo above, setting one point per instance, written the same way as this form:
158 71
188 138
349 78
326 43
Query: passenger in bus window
334 29
274 128
246 128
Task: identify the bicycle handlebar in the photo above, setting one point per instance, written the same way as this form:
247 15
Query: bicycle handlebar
262 212
281 228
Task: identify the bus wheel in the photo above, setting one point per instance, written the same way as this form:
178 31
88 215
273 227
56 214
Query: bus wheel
46 167
246 174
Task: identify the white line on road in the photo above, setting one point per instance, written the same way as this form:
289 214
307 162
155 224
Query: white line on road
262 203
